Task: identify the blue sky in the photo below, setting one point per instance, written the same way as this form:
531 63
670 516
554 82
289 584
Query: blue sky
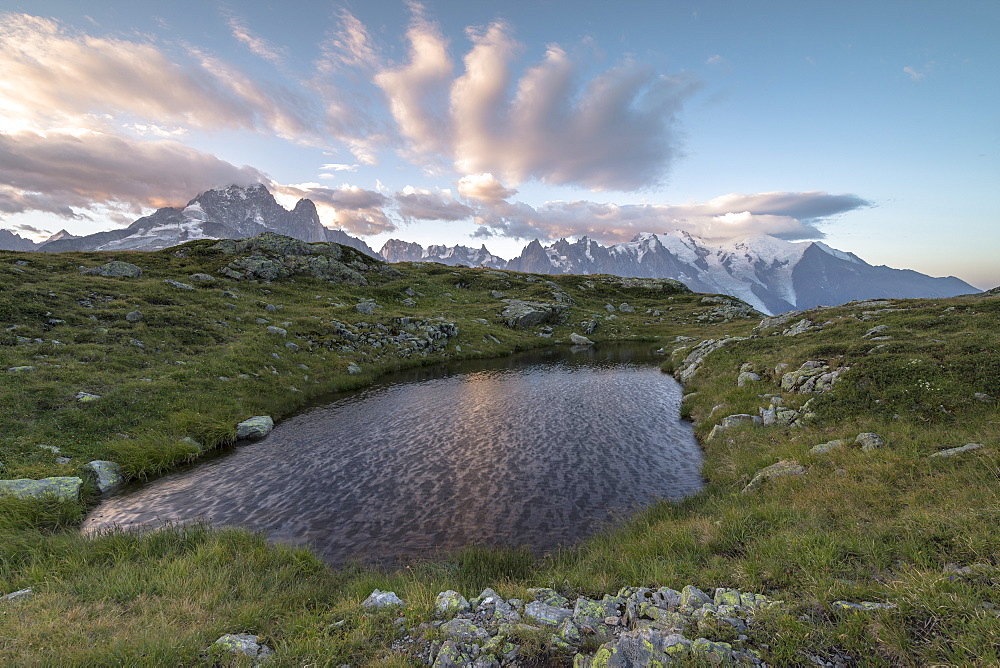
872 125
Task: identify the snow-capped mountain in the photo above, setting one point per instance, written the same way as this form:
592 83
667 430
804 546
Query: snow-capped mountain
770 274
395 250
233 212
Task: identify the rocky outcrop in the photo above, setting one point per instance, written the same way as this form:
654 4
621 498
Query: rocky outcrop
637 626
270 256
689 367
114 268
812 376
521 314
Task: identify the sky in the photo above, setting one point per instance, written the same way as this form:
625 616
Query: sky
874 126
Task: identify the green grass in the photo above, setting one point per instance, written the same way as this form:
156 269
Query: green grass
887 525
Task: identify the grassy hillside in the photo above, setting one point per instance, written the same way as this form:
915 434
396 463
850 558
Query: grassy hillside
889 524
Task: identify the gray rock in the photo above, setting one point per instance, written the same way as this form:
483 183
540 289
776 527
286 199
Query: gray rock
579 340
366 308
450 603
64 488
609 308
115 268
241 645
692 597
21 369
982 396
202 278
731 421
951 452
20 594
254 428
641 647
271 329
463 630
746 377
689 367
133 316
85 397
409 302
496 294
875 331
869 441
546 614
549 597
625 308
800 327
382 599
178 285
520 314
452 656
863 606
108 475
824 448
782 468
353 369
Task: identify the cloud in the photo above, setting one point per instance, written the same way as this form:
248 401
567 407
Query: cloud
484 187
785 215
339 167
416 91
350 207
615 131
426 205
67 174
257 45
715 59
57 78
915 75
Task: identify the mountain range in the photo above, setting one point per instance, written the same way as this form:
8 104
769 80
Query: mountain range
770 274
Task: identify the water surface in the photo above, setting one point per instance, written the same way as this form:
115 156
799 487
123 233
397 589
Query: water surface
537 449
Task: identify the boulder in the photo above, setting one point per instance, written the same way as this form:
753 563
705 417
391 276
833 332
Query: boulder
64 488
202 278
254 428
450 603
108 475
241 645
579 340
115 268
382 599
21 369
547 614
869 441
271 329
520 314
782 468
366 308
178 285
133 316
746 377
20 594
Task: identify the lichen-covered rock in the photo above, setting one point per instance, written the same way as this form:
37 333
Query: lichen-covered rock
86 397
812 376
692 597
579 340
800 327
108 475
277 331
450 603
824 448
115 268
863 606
64 488
382 599
782 468
21 369
254 428
240 645
178 285
463 630
521 314
546 614
549 597
133 316
951 452
452 656
689 367
353 369
366 308
747 377
869 441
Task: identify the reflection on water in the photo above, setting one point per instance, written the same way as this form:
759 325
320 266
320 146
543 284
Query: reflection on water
535 449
